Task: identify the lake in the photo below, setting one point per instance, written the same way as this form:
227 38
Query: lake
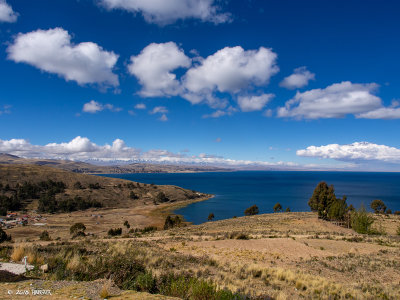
235 191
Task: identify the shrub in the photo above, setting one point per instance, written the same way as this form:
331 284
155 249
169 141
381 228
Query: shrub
94 186
78 229
288 209
114 232
251 211
4 236
45 236
378 206
161 197
210 217
17 254
127 225
389 211
361 221
145 282
397 213
277 207
78 185
171 222
133 196
398 230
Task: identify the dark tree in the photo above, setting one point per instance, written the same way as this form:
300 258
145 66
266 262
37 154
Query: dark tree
288 209
133 196
251 211
171 222
389 211
322 198
127 225
277 207
78 229
4 236
210 217
161 197
378 206
114 232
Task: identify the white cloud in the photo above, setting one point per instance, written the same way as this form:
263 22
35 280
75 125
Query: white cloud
220 113
140 106
335 101
300 78
253 103
159 110
52 51
82 149
5 109
385 113
94 107
163 118
229 70
359 151
166 12
153 67
6 13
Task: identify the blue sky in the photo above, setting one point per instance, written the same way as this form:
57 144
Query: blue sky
281 84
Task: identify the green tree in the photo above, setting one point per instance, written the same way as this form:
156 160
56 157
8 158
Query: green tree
210 217
277 207
322 198
78 229
338 209
251 211
378 206
361 221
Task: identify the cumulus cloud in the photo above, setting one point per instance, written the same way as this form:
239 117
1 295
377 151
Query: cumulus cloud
300 78
335 101
359 151
52 51
163 12
253 103
6 13
153 67
140 106
82 149
94 107
232 70
159 110
385 113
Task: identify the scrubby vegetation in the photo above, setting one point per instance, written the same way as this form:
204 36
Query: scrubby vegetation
361 221
378 206
251 211
171 222
115 231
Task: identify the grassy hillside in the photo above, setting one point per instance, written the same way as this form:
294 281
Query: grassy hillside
111 192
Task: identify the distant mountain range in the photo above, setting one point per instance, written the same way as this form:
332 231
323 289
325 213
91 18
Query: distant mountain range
109 167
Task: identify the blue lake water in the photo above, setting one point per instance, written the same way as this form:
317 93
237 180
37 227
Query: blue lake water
235 191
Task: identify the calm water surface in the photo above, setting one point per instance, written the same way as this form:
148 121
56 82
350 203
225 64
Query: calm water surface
235 191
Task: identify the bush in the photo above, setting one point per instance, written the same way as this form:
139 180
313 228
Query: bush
133 196
45 236
78 229
145 282
389 211
251 211
171 222
378 206
210 217
127 225
288 209
114 232
277 207
398 230
361 221
161 197
4 236
397 213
